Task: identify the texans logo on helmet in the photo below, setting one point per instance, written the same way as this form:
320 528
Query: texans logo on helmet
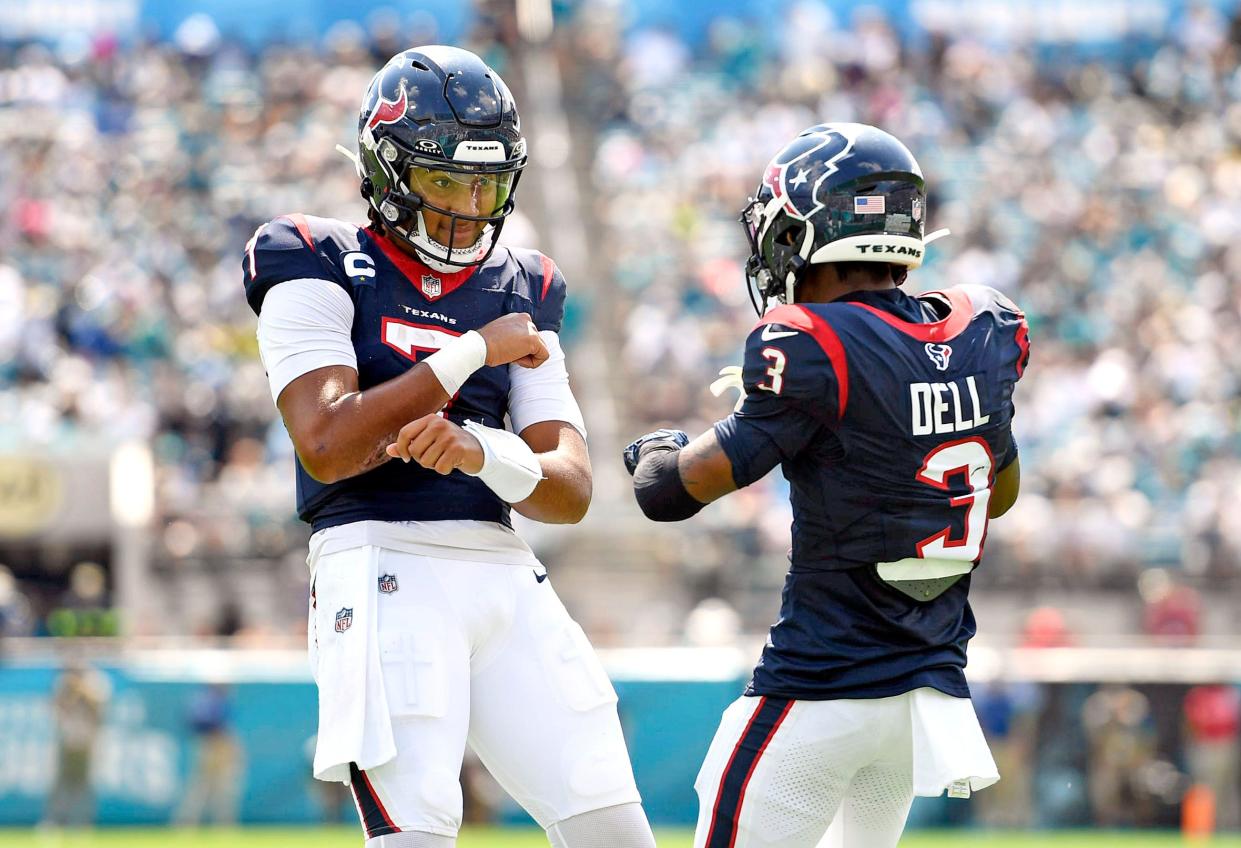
796 176
388 111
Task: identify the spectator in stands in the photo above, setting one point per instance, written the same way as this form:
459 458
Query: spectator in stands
1045 627
1173 611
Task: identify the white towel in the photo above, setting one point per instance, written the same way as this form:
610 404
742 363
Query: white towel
949 750
354 724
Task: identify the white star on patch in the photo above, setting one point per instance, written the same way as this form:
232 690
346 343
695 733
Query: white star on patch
800 179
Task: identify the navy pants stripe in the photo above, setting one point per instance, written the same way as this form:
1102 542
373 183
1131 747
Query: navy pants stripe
375 819
749 750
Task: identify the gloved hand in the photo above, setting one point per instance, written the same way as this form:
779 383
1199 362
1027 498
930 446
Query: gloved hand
658 440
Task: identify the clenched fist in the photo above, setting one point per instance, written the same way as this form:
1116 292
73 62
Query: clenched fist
437 443
514 339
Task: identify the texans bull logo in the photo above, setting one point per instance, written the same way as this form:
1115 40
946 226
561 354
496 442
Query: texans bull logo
796 178
939 354
388 111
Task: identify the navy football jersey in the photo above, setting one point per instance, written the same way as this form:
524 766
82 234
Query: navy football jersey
403 312
889 416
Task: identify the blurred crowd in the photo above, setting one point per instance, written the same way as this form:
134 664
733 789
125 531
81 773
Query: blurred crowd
1103 195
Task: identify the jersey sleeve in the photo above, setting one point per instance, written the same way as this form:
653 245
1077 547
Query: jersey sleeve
304 325
281 250
794 360
1009 455
791 395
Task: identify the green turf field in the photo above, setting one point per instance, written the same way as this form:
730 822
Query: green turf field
349 838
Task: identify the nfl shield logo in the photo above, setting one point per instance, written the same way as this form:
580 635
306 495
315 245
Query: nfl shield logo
344 619
387 584
939 354
431 285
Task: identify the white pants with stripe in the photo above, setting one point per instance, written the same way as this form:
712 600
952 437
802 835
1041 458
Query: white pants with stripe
462 652
780 771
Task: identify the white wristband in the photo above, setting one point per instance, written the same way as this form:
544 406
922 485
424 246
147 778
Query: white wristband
510 468
456 361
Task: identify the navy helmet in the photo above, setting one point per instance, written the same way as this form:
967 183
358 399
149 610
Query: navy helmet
836 193
436 118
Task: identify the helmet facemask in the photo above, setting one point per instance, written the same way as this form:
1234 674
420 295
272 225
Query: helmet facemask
780 247
462 194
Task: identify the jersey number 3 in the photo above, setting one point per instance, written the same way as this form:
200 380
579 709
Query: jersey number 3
971 459
775 372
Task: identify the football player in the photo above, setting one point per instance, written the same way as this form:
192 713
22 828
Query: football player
395 352
890 416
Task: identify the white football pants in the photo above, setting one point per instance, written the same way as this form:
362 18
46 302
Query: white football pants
468 653
780 771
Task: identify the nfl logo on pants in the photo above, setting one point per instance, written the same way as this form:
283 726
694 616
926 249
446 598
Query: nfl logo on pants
344 619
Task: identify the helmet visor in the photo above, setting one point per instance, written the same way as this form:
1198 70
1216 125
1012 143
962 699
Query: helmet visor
467 195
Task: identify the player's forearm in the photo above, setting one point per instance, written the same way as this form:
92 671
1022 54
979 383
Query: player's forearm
352 432
563 496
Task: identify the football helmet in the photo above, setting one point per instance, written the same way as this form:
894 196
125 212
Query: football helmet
836 193
439 132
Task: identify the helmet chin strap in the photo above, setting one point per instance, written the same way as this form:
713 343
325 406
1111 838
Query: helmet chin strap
798 264
438 263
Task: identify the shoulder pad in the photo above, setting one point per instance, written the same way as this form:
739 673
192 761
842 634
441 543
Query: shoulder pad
290 247
1015 331
988 299
546 287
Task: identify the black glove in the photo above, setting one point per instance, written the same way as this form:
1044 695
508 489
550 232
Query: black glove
670 440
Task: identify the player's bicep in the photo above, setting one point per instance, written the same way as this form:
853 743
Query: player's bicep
706 471
1004 490
306 403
